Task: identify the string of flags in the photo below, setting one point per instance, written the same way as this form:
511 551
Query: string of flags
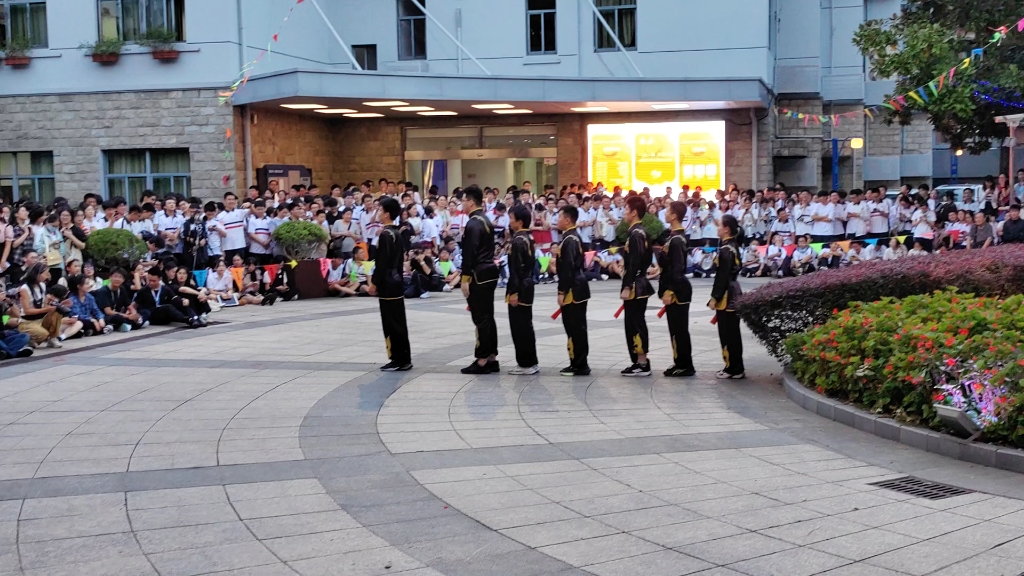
919 96
226 95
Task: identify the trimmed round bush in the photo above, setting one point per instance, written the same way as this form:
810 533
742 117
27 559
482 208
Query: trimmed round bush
779 309
111 248
299 240
899 357
650 222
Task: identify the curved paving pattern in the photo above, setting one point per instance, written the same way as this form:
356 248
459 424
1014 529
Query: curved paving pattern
258 448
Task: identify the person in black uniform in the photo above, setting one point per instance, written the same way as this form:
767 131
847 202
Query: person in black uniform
159 305
479 280
675 292
388 283
573 293
519 291
636 288
724 294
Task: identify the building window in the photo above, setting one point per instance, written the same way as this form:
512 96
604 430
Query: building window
412 31
129 172
23 23
366 55
621 18
540 22
130 20
27 176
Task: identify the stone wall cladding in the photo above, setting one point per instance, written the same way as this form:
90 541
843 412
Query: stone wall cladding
77 128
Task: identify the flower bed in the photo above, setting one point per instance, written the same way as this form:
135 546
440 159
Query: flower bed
900 357
779 309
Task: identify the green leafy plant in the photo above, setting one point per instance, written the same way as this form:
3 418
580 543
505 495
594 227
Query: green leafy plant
112 248
299 239
104 46
651 225
889 356
929 37
17 47
158 39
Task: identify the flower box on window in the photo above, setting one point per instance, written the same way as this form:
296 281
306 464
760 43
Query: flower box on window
106 59
105 51
16 53
17 61
166 55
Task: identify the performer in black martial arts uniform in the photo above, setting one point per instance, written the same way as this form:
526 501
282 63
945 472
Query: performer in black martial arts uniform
519 291
573 293
724 294
636 288
479 280
676 292
387 282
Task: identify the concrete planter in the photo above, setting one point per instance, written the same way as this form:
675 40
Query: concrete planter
956 419
981 453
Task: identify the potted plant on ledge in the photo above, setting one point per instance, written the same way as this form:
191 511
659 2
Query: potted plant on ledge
105 51
16 53
299 241
161 42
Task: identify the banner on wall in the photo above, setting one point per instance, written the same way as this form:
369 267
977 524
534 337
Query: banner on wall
657 155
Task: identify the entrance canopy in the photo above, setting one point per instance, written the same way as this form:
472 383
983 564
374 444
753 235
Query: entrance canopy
480 95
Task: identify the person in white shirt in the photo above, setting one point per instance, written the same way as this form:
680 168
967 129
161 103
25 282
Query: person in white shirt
233 219
802 215
258 229
752 264
858 254
878 215
917 250
774 257
345 234
838 202
969 203
822 215
923 222
894 251
802 259
585 224
782 228
857 216
501 223
168 226
215 233
430 233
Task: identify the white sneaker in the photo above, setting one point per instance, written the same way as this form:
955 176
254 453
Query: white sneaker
54 343
203 316
145 323
425 295
125 328
446 288
604 277
723 375
524 370
108 329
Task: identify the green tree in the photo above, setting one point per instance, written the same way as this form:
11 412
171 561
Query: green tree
926 39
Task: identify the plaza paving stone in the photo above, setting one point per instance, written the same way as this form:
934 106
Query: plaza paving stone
270 445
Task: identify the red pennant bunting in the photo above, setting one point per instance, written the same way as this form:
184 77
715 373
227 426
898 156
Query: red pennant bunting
271 270
1020 25
274 37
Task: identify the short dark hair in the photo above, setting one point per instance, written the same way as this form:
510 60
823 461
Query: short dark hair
231 194
121 271
522 214
391 206
474 193
155 271
637 204
157 242
210 207
259 204
570 212
679 209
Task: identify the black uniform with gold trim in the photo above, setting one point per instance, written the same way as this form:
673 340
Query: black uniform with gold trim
724 294
480 272
674 284
575 291
521 262
388 280
637 260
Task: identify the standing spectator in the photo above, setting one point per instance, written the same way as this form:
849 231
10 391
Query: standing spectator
345 233
73 237
258 228
233 219
923 221
168 226
49 243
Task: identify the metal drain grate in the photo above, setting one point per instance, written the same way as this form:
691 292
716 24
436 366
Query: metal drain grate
922 488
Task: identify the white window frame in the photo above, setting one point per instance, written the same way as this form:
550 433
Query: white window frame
613 23
544 51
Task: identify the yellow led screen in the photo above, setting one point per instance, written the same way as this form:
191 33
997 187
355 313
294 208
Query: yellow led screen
657 155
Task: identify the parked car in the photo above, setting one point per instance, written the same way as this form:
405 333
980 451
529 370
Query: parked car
958 190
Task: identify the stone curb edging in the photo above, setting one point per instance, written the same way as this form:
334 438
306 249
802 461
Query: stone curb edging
930 441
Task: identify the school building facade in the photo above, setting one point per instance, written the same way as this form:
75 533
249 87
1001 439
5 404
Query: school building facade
449 92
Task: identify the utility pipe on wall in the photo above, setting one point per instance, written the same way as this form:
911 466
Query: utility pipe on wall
753 150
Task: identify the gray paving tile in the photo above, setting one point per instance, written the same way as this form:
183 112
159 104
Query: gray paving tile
290 548
647 518
866 544
373 562
816 530
537 535
523 516
918 559
78 550
600 549
931 525
735 548
187 537
126 566
984 565
861 570
980 537
675 535
793 562
664 563
298 524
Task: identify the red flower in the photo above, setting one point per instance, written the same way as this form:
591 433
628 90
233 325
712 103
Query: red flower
950 341
835 310
897 336
1020 362
964 332
888 367
952 362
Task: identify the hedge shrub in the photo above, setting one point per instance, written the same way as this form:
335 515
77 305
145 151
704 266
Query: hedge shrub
894 356
779 309
111 248
650 222
299 240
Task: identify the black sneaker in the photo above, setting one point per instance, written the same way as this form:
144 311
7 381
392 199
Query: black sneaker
25 352
390 367
585 371
674 372
476 368
194 323
4 355
567 371
494 367
403 367
637 370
